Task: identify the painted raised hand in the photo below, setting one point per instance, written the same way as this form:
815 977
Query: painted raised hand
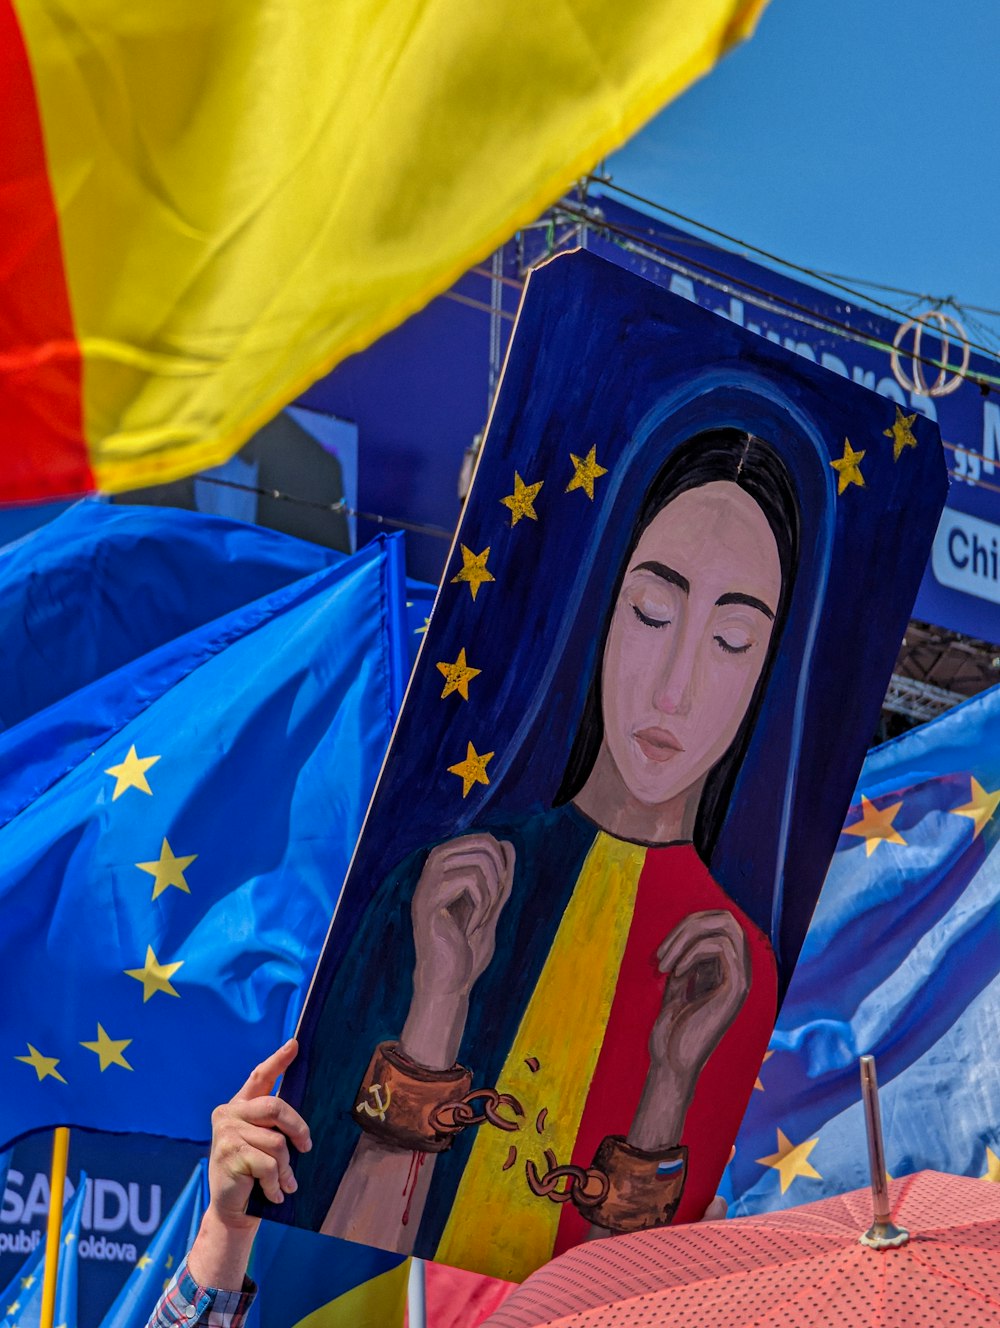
461 893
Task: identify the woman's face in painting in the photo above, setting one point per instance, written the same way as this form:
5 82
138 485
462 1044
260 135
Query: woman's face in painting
688 640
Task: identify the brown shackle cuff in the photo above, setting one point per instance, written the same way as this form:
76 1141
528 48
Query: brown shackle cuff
402 1104
644 1188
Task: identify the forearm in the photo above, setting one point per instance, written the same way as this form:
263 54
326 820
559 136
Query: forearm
659 1118
221 1252
380 1200
433 1030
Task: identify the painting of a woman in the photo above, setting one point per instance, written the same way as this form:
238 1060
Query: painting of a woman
549 987
696 617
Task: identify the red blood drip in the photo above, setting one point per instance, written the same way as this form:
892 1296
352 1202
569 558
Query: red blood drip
412 1177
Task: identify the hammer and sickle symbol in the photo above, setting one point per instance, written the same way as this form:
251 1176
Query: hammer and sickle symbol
380 1107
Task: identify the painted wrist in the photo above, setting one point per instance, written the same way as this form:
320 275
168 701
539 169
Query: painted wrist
433 1030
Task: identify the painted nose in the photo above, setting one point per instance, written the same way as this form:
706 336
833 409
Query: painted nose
674 689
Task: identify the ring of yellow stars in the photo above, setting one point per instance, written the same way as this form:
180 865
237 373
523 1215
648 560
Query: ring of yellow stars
131 773
474 571
792 1160
521 501
901 433
109 1050
457 676
875 826
585 471
168 870
155 976
992 1171
43 1066
757 1082
472 770
848 468
980 807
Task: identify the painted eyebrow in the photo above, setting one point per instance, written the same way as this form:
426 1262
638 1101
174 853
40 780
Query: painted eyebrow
666 574
737 597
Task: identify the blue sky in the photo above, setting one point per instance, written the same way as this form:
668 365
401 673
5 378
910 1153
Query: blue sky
857 137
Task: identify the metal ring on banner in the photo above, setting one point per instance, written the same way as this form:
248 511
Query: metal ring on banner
949 378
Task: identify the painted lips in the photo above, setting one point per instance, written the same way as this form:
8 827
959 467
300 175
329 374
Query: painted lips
657 744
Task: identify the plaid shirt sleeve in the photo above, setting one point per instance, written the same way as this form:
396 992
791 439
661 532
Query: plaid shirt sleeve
185 1304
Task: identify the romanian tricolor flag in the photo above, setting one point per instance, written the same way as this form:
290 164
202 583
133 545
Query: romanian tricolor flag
205 206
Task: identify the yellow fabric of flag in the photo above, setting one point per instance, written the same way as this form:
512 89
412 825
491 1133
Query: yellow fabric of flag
250 190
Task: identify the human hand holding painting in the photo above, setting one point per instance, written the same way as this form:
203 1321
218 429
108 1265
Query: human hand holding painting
708 962
458 900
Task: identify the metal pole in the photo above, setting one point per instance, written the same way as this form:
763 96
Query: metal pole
882 1234
57 1187
416 1294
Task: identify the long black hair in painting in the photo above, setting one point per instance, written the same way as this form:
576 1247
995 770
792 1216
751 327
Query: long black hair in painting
754 465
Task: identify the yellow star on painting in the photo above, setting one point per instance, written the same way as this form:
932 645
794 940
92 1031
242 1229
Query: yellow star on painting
43 1066
27 1282
757 1082
792 1160
521 501
901 433
168 870
109 1050
875 826
992 1171
472 770
457 676
155 976
14 1307
980 807
143 1263
848 468
474 571
585 471
131 773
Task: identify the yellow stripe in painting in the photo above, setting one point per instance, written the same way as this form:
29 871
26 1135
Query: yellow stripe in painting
377 1303
497 1225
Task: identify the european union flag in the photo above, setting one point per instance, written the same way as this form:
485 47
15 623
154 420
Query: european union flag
21 1301
902 960
174 833
156 1267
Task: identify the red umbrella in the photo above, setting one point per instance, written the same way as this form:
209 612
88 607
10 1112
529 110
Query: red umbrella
932 1257
802 1268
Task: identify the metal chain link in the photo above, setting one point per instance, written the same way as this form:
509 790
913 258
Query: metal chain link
588 1186
450 1117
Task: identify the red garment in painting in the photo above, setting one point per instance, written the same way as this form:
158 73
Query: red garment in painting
674 883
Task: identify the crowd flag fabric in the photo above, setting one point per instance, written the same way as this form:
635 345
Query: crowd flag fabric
103 584
902 961
205 207
155 1268
306 1280
21 1301
171 877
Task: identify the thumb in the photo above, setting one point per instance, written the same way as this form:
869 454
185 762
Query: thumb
264 1076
